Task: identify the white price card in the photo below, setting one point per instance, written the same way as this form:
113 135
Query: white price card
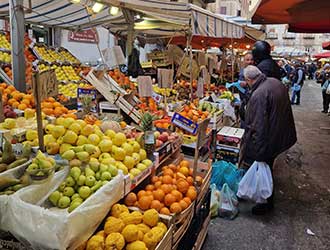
144 86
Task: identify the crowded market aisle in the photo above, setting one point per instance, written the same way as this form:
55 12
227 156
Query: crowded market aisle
302 191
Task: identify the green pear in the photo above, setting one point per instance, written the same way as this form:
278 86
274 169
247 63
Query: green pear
68 191
78 149
75 196
141 166
112 170
81 180
83 156
97 175
105 176
90 181
45 164
84 192
75 172
94 164
62 186
40 155
89 172
90 148
82 140
103 168
74 204
69 181
32 167
68 155
147 162
64 202
54 197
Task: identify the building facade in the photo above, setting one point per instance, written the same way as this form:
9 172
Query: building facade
294 43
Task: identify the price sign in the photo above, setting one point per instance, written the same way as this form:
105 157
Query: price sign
184 123
47 84
165 78
144 86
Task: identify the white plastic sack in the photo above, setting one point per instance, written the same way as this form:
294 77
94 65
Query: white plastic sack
27 192
228 207
257 183
13 173
55 228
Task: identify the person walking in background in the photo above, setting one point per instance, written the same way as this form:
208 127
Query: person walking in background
264 61
270 128
298 82
247 60
283 72
325 96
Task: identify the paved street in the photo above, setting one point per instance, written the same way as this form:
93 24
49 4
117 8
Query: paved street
302 192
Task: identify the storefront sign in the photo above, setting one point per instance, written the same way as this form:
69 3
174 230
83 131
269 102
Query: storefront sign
184 123
84 36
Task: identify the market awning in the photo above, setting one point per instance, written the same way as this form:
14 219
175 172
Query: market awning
322 55
165 18
308 16
326 45
61 13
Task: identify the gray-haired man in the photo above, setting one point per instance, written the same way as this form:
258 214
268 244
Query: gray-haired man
270 128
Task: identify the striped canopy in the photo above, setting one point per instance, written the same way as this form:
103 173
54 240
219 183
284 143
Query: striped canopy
61 13
165 17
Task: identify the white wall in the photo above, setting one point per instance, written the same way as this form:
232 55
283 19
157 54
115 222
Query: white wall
88 52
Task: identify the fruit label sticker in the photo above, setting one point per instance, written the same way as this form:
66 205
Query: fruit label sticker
86 100
156 97
184 123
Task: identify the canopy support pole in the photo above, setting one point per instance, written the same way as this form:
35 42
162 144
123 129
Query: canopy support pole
189 50
17 31
129 16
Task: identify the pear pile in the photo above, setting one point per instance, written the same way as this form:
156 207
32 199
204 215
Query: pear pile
41 166
95 156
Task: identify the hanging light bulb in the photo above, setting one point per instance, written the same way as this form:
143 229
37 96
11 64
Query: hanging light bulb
97 7
75 1
114 10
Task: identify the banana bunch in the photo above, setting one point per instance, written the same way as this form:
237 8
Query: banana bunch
163 91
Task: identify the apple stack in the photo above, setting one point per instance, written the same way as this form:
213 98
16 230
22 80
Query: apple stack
95 156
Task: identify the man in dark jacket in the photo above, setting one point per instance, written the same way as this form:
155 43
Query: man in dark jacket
298 82
270 128
264 61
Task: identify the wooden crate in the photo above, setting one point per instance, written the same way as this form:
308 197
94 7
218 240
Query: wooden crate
166 242
181 224
202 234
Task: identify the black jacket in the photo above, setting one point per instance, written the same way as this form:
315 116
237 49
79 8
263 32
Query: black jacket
270 128
270 68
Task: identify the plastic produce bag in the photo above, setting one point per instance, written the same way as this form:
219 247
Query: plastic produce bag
257 183
30 220
228 203
226 172
215 200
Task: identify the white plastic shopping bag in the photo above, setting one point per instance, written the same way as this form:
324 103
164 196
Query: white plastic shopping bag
257 183
31 221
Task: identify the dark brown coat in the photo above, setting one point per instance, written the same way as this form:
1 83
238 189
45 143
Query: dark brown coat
270 127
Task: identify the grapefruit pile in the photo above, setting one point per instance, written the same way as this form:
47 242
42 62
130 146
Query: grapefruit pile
171 192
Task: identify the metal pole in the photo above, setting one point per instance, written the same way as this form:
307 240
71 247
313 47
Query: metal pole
17 31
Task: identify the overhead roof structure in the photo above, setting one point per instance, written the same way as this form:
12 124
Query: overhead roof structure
165 17
306 16
60 13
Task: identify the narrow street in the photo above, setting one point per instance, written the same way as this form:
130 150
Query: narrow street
302 192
